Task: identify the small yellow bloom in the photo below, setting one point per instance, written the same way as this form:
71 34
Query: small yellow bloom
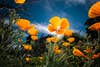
27 59
66 44
95 26
71 39
27 47
68 33
49 39
20 40
20 1
57 51
56 47
34 38
23 24
54 39
32 31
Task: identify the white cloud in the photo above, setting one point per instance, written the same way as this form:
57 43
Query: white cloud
43 29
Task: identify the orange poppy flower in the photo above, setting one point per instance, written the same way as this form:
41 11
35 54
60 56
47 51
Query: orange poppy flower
58 25
27 59
34 38
77 52
19 1
56 47
96 56
94 11
49 39
71 39
27 47
95 26
23 24
32 31
68 33
54 39
57 51
66 44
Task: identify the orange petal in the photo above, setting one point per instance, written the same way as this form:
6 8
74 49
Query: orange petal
34 38
71 39
23 24
66 44
64 23
68 33
51 28
19 1
55 21
32 31
95 26
94 11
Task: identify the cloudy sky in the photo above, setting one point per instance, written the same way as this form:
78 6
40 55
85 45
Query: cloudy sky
40 11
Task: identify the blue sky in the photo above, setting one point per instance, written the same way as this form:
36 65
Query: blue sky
75 10
40 11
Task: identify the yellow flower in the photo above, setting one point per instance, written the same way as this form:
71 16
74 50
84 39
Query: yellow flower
23 24
27 59
77 52
95 26
19 1
52 39
64 23
27 47
66 44
32 31
94 11
56 47
68 33
57 51
71 39
34 38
